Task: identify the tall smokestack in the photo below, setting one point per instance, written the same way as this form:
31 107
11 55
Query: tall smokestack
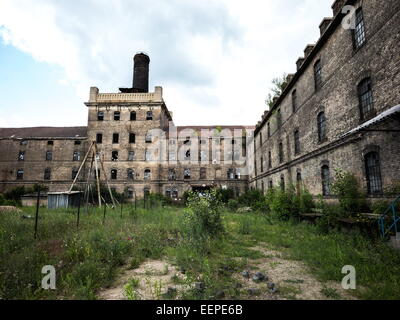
141 73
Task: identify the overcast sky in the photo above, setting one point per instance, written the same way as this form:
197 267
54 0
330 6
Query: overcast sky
214 59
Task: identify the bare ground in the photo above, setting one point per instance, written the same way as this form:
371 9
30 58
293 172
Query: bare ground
292 279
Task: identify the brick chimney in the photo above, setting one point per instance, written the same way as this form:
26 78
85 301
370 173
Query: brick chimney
308 50
324 25
299 62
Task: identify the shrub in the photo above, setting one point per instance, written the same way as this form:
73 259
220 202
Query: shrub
282 203
203 215
345 186
224 195
233 204
254 199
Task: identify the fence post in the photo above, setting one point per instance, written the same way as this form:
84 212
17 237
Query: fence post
79 211
37 212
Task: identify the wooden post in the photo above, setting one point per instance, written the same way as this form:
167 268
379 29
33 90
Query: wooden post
97 175
108 186
81 166
88 186
79 210
37 212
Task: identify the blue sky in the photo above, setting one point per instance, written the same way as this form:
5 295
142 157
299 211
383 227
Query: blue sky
215 59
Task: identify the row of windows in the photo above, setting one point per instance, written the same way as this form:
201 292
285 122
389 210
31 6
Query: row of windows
117 115
49 156
364 88
49 143
372 172
131 175
115 138
366 108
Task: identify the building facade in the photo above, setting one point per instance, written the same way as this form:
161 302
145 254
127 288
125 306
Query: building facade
138 148
340 110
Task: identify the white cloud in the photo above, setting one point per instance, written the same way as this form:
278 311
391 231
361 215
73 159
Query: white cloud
215 59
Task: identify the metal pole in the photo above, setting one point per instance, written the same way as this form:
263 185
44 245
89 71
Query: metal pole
79 211
37 212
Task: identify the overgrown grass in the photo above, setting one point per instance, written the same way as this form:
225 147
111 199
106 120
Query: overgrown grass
87 259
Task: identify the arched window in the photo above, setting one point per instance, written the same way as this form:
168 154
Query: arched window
318 75
133 116
147 174
359 31
294 101
321 121
325 177
365 99
373 173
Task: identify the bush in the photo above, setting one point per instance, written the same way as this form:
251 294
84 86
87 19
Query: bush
233 204
254 199
224 195
203 216
345 186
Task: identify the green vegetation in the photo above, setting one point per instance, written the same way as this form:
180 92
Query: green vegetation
207 241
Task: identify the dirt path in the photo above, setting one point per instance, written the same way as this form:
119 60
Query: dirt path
292 279
151 281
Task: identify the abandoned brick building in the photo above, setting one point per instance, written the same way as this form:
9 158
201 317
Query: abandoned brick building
138 147
341 109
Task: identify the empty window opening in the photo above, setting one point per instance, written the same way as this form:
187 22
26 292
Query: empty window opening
20 174
114 174
100 116
99 138
117 116
115 138
49 155
77 156
133 116
114 156
47 174
21 156
149 115
132 138
147 174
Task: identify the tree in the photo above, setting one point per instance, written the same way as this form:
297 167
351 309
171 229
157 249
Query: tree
278 85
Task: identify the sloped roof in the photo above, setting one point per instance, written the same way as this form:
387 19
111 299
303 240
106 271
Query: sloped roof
379 118
43 132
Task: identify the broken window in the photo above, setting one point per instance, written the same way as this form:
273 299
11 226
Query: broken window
21 156
49 155
149 115
203 173
74 173
50 143
187 155
117 116
77 156
132 138
130 174
23 143
129 193
114 174
47 174
77 143
230 174
131 155
238 174
171 174
100 116
148 138
186 173
99 138
114 156
133 116
147 174
115 138
20 174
